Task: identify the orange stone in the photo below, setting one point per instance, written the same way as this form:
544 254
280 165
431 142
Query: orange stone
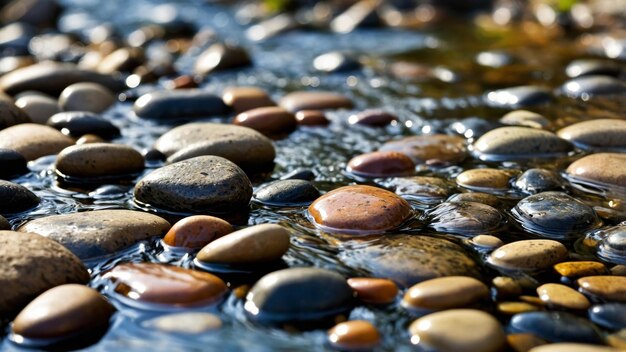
374 290
267 120
354 335
611 288
580 269
524 342
196 231
381 164
428 149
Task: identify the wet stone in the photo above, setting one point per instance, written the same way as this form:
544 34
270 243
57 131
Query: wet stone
12 164
599 173
612 245
34 141
586 86
94 160
374 290
494 58
90 138
572 347
524 342
203 183
32 264
525 118
87 96
242 99
465 218
286 192
11 115
430 149
381 164
423 188
486 241
609 288
311 118
354 335
528 255
586 67
372 118
617 340
534 181
270 120
78 123
485 179
314 100
219 57
512 308
458 330
189 323
561 296
518 97
121 60
298 295
600 134
15 198
476 197
179 104
556 327
509 143
580 269
38 107
98 232
336 61
506 286
361 14
159 285
194 232
445 293
609 315
379 210
473 127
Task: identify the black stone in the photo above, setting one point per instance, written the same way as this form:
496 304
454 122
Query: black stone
179 104
610 315
12 164
517 97
15 198
287 192
78 123
588 86
537 180
556 327
299 174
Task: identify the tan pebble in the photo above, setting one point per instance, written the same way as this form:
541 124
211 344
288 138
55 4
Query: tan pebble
89 138
317 100
196 231
612 288
561 296
531 300
444 293
185 323
507 286
580 269
522 142
267 120
528 255
525 118
354 335
86 96
512 308
619 270
602 168
98 160
572 347
596 134
246 98
38 107
34 141
489 179
486 241
617 340
524 342
374 290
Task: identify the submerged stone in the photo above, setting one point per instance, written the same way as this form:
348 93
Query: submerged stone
600 134
599 173
196 231
465 218
95 160
556 327
534 181
430 149
287 192
381 164
511 143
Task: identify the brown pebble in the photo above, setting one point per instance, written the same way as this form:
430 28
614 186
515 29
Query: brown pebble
86 96
196 231
99 160
487 241
38 107
617 340
381 164
372 118
476 197
561 296
267 120
572 347
317 100
524 342
429 149
611 288
34 141
485 179
528 255
312 118
603 168
506 286
246 98
182 82
374 290
512 308
580 269
619 270
241 291
525 118
354 335
445 293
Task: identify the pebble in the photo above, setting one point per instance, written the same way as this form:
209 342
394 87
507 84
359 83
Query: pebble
381 164
485 179
243 146
586 67
466 330
528 255
465 218
98 160
486 241
361 14
476 197
524 342
78 123
604 170
32 264
494 58
299 174
609 315
92 138
519 97
473 127
379 210
610 288
599 134
372 118
195 232
556 327
92 97
286 192
179 104
298 295
509 143
52 315
203 183
512 308
423 188
336 61
121 60
586 86
252 245
15 198
38 107
445 293
612 245
525 118
572 347
430 149
269 120
219 57
10 114
188 323
506 286
314 100
166 285
374 290
534 181
354 335
561 296
580 269
12 164
617 340
242 99
311 118
33 141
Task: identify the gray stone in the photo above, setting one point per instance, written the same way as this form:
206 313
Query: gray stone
15 198
179 104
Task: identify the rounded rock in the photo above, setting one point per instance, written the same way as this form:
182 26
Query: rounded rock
15 198
78 123
196 231
602 170
302 100
609 315
586 67
525 118
476 197
12 164
537 180
507 143
445 293
556 327
572 347
267 120
600 134
485 179
179 104
34 141
219 57
98 160
38 107
92 97
465 218
561 296
423 188
335 61
517 97
311 118
287 192
593 85
191 323
486 241
381 164
610 288
354 335
242 99
528 255
372 118
580 269
430 149
374 290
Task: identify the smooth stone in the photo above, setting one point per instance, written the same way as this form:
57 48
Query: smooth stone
12 63
517 97
299 174
335 61
445 293
572 347
452 330
252 245
528 255
52 78
586 86
243 146
556 327
86 96
354 335
219 57
602 169
273 26
524 342
203 183
179 104
267 120
609 315
286 192
422 258
430 149
183 82
374 290
379 210
242 99
561 296
476 197
314 100
486 241
599 134
40 13
189 323
34 141
98 232
196 231
166 285
612 245
121 60
92 138
519 143
610 288
618 270
98 160
534 181
298 294
506 286
555 215
473 127
15 198
12 164
525 118
617 340
4 223
381 164
580 269
38 107
52 315
586 67
311 118
78 123
423 188
11 115
32 264
512 308
465 218
485 179
372 118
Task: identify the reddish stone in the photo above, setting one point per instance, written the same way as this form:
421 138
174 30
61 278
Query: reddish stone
267 120
196 231
381 164
374 290
311 118
372 118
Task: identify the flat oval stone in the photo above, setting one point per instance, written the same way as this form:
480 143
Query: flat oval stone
220 57
556 327
381 164
267 120
311 118
38 107
528 255
34 141
428 149
512 308
604 170
561 296
586 67
507 143
86 96
465 218
98 232
98 160
485 179
599 134
166 285
486 241
196 231
423 188
374 290
317 100
92 138
372 118
298 294
572 347
525 118
379 210
580 269
287 192
476 197
189 323
610 288
179 104
609 315
518 97
593 85
445 293
335 61
11 115
458 330
242 99
78 123
241 145
32 264
354 335
121 60
203 183
256 244
537 180
52 315
16 198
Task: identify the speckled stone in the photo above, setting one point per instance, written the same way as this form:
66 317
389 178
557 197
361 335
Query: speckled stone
528 255
286 192
86 96
314 100
179 104
525 118
580 269
430 149
269 120
219 57
561 296
611 288
354 335
15 198
196 231
519 143
572 347
485 179
445 293
593 85
381 164
78 123
98 160
189 323
242 99
556 327
38 107
465 218
518 97
599 134
372 118
607 169
374 290
34 141
476 197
